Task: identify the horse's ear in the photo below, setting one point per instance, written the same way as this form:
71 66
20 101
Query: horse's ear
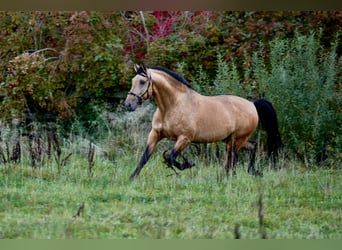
136 67
144 68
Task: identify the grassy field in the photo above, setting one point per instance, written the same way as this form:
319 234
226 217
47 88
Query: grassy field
44 203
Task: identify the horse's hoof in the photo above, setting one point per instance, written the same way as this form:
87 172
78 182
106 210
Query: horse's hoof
132 177
258 173
189 164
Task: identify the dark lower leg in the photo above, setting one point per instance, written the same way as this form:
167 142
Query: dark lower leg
251 164
143 160
231 159
235 159
171 160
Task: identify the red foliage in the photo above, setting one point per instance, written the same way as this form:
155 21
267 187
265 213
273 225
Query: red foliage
163 25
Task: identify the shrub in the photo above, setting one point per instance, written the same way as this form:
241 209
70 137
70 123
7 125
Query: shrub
301 81
81 66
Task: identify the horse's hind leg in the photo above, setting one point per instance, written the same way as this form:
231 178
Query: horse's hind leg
251 146
231 156
235 159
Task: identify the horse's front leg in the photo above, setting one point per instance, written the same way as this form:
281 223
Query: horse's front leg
182 142
153 138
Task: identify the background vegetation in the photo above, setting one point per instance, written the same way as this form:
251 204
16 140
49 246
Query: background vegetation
67 146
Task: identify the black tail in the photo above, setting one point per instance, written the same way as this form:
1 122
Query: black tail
269 122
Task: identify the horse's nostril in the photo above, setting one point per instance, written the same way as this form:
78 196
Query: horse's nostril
129 106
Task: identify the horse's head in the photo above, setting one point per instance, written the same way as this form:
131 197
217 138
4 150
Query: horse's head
142 87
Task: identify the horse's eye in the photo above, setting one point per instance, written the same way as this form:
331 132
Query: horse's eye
142 82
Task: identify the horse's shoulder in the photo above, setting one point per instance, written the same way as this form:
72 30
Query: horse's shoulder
157 120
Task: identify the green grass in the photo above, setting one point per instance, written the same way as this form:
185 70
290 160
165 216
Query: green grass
201 202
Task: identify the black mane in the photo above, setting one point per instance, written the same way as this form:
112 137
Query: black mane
173 74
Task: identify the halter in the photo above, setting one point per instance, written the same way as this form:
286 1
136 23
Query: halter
139 97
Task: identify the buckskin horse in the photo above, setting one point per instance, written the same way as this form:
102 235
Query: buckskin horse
185 116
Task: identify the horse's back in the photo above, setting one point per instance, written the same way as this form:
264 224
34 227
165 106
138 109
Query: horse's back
233 106
243 111
240 107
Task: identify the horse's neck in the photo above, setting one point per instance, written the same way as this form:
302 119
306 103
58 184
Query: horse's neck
166 94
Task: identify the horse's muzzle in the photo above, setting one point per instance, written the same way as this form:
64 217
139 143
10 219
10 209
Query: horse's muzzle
131 105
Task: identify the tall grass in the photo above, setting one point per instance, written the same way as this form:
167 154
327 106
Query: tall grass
42 203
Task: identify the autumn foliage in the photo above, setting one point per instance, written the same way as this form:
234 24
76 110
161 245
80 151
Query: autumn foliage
57 62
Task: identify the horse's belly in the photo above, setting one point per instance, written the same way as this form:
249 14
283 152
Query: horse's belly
212 129
209 137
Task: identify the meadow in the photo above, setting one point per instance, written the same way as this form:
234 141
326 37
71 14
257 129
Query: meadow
47 202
